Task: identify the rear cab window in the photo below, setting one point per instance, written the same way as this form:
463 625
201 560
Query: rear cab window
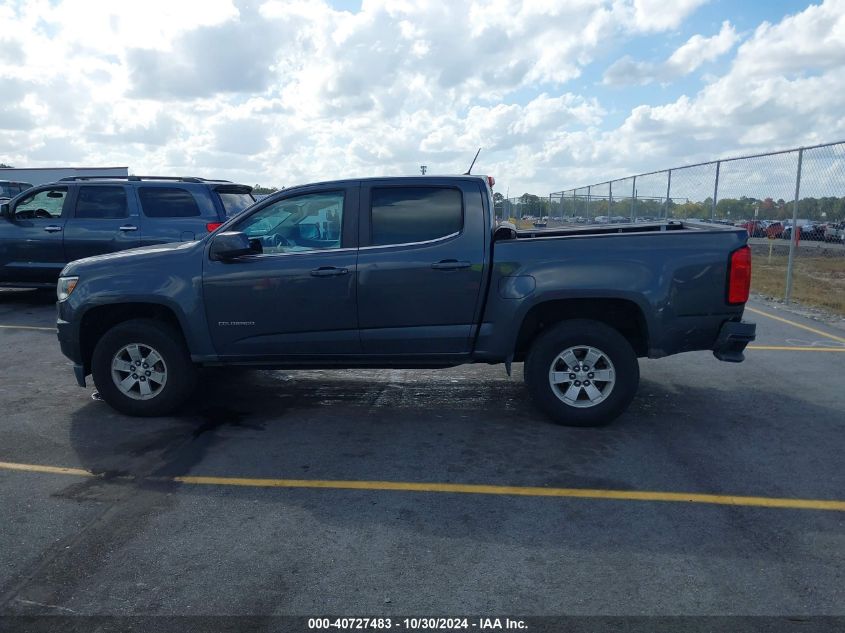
408 215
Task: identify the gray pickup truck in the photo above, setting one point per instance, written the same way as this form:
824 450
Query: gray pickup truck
406 273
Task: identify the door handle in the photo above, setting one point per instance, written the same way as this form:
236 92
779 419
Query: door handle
52 228
450 264
329 271
128 227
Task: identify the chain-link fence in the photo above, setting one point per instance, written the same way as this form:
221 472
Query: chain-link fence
792 203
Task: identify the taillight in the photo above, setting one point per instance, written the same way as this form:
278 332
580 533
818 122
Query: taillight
739 276
211 226
491 181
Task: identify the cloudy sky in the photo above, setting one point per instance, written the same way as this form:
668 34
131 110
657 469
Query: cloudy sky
558 93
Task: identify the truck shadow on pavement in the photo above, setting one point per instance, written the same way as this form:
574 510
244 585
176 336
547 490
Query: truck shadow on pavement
27 296
467 426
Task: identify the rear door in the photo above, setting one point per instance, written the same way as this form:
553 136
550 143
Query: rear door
31 249
420 266
174 212
104 220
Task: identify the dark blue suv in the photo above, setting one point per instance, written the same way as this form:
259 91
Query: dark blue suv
50 225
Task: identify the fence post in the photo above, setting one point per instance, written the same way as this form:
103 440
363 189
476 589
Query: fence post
609 198
715 192
589 198
793 238
633 198
668 188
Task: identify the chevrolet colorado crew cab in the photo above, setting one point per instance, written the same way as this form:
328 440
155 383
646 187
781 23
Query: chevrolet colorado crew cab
408 272
47 226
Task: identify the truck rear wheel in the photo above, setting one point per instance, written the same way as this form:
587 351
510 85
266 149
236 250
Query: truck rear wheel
582 373
142 368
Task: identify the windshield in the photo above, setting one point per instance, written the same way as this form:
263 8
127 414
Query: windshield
234 203
6 191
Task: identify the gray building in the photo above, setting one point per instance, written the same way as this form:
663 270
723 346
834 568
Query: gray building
40 175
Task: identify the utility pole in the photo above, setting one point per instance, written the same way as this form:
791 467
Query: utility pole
423 169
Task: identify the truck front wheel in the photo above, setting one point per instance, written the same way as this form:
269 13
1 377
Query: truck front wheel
582 373
142 367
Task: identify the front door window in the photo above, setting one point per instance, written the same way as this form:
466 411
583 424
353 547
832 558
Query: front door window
46 204
304 223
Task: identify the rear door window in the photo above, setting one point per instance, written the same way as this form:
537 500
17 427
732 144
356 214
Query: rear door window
101 202
405 215
168 202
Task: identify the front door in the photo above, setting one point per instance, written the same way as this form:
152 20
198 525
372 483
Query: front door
31 249
297 297
101 222
420 267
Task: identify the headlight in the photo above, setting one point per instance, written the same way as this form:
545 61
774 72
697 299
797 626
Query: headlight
65 287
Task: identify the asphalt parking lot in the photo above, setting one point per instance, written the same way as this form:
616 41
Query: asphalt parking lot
721 491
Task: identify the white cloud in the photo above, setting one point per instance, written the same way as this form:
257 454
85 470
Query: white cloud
687 58
698 49
765 100
293 91
659 15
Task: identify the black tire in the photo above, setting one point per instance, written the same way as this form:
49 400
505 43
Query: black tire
168 344
582 332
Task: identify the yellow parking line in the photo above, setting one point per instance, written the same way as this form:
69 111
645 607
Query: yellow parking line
521 491
524 491
798 325
38 468
27 327
787 348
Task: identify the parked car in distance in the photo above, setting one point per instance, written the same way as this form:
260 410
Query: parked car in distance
47 226
774 230
406 272
755 228
11 188
813 232
807 232
835 232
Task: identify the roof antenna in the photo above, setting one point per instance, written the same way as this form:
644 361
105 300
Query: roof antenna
467 173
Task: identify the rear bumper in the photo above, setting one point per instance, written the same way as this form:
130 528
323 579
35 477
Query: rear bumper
732 339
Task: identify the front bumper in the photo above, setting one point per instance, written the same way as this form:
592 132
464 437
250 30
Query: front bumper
732 339
68 334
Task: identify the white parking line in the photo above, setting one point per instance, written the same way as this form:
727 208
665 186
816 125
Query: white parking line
27 327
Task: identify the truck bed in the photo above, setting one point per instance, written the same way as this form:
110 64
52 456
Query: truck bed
640 227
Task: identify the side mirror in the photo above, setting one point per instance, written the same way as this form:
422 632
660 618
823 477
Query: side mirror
229 245
505 231
6 211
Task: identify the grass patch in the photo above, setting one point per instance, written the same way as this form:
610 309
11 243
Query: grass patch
817 281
